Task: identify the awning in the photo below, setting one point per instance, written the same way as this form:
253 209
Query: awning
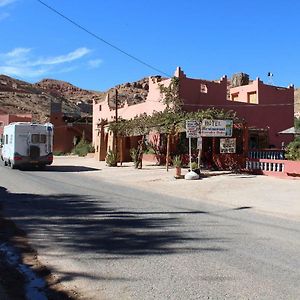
291 130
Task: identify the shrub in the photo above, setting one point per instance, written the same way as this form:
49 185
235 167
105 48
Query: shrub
111 158
58 153
194 165
135 156
149 151
176 161
83 148
293 150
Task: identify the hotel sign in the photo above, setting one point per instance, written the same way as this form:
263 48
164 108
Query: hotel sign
216 128
192 129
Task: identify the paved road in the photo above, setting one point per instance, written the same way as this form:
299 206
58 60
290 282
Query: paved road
112 242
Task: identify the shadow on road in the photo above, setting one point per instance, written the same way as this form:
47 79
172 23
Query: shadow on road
83 225
71 169
86 224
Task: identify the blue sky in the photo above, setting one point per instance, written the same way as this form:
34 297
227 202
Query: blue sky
208 39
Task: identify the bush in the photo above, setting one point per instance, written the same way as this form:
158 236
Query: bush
194 165
149 151
293 150
176 161
58 153
136 157
111 158
83 148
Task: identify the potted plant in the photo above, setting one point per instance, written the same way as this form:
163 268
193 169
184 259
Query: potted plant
177 164
111 159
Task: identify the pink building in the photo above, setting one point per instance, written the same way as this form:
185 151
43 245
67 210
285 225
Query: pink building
6 118
267 109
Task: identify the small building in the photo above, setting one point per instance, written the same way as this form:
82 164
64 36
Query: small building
69 129
6 118
266 109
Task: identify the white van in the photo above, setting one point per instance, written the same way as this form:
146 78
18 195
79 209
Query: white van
25 143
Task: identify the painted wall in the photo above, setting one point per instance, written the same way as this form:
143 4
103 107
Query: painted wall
63 139
5 119
102 111
274 109
199 94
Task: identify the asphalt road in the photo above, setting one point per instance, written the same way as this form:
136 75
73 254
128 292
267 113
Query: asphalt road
112 242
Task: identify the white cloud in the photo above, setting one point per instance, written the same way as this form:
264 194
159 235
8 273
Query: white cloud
78 53
95 63
6 2
20 62
16 56
18 52
23 72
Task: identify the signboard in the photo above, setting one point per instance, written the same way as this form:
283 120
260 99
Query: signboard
216 128
228 145
192 129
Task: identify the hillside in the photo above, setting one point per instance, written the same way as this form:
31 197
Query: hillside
22 97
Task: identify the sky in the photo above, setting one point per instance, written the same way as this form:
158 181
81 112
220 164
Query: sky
124 41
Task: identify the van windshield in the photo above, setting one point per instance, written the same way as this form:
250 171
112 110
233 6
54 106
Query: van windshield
38 138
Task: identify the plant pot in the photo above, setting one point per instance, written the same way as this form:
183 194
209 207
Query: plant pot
177 172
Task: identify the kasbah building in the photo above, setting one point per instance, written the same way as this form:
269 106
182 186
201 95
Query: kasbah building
266 109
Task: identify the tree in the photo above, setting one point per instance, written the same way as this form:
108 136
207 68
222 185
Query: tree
172 116
140 125
170 95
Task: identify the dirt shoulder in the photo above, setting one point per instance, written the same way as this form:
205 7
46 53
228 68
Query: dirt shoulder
15 255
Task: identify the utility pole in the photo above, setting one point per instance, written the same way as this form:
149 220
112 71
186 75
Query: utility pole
116 116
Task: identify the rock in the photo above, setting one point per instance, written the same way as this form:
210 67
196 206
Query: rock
191 176
145 86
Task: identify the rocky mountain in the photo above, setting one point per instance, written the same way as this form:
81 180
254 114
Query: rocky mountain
18 96
132 92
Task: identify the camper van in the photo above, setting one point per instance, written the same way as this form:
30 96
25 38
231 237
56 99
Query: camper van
27 144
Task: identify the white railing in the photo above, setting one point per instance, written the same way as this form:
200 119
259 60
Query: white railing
266 154
265 165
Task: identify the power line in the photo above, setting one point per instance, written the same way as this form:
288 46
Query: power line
103 40
242 105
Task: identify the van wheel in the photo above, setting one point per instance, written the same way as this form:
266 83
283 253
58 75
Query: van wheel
5 163
12 165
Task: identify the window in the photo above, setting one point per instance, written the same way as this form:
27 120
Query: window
252 97
100 107
235 96
43 138
38 138
203 88
6 139
1 124
35 138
